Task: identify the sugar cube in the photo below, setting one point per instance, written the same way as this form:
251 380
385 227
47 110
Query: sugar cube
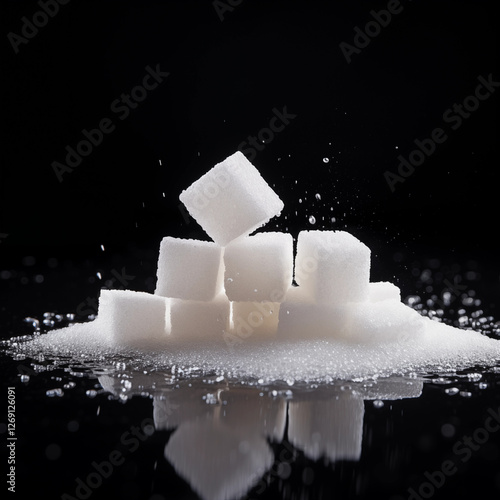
259 267
301 318
231 200
199 320
383 321
133 317
189 269
383 290
259 318
332 266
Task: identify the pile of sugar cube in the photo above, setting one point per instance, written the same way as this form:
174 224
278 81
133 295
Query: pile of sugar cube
239 287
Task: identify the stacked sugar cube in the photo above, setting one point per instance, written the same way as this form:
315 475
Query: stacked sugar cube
238 286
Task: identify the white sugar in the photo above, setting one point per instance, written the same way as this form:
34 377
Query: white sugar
259 268
332 266
438 347
193 320
231 200
189 269
229 306
255 318
383 321
132 317
305 320
383 290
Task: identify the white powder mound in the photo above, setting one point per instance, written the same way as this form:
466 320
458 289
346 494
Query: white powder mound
439 347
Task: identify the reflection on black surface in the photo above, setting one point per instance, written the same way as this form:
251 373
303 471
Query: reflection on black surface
218 461
222 435
332 428
220 446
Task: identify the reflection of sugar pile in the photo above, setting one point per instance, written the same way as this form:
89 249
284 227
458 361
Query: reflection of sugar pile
320 424
230 304
220 443
340 439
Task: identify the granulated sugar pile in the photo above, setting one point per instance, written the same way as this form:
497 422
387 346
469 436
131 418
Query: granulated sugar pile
230 305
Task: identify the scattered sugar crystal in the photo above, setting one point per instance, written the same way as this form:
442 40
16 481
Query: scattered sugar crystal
199 320
189 269
332 266
231 200
259 268
391 389
259 318
383 290
132 317
51 393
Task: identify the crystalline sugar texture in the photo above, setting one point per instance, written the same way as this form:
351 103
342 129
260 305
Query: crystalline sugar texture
383 290
383 321
259 268
332 266
300 318
132 317
303 321
189 269
199 320
231 200
259 318
361 322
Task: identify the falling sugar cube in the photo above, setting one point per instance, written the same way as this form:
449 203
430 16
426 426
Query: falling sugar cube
332 266
231 200
259 268
132 318
189 269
